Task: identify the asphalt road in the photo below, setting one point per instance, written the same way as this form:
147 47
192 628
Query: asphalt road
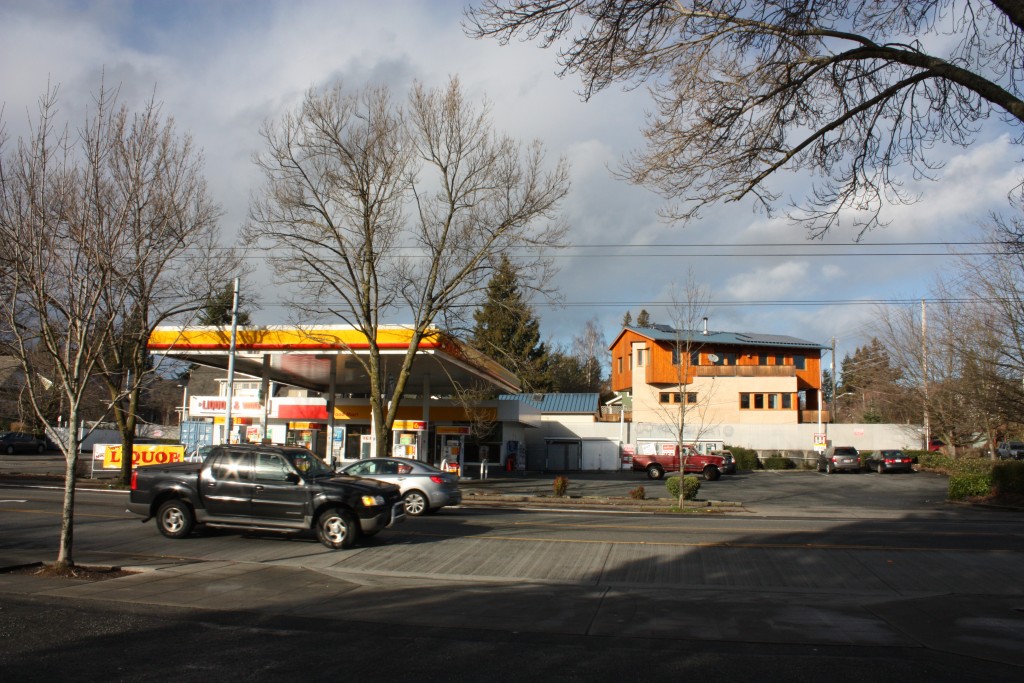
804 584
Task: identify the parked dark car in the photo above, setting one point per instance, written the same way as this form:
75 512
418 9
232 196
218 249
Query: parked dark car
264 487
889 461
425 488
1010 450
20 442
839 458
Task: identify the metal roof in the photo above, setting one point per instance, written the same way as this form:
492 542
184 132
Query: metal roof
669 334
584 404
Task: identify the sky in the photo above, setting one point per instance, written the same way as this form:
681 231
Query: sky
223 68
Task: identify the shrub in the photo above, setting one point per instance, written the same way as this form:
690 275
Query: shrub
778 462
1008 478
746 458
969 485
638 493
915 455
561 485
687 486
944 464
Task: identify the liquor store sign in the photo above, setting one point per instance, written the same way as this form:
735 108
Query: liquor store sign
142 454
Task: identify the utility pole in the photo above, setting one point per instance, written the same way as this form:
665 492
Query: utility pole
231 364
924 375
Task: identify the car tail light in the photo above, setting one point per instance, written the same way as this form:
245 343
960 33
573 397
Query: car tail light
135 479
436 479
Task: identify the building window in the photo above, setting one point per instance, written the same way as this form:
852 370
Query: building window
762 359
640 358
620 364
800 362
675 354
766 401
694 357
691 397
670 397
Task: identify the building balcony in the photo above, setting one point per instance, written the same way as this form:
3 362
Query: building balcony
745 371
811 416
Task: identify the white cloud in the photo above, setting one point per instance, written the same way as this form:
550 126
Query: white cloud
223 68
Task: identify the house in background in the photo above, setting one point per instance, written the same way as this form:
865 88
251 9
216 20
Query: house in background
717 378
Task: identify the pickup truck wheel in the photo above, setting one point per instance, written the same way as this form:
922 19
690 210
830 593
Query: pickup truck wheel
175 519
711 473
416 503
655 472
336 529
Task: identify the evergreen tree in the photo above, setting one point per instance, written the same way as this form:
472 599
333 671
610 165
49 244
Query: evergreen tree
506 329
644 319
217 311
627 319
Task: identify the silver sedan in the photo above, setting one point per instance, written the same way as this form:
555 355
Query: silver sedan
425 488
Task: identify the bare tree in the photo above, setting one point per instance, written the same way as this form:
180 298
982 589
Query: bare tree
686 410
373 211
63 270
590 348
849 91
157 197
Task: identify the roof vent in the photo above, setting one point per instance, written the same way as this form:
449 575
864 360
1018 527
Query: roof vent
705 325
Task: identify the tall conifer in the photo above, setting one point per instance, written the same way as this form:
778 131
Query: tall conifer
507 330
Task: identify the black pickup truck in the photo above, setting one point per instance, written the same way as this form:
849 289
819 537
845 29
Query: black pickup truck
264 487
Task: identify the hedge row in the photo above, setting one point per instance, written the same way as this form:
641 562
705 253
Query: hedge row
1001 478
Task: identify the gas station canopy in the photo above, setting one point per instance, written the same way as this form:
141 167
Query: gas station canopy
304 357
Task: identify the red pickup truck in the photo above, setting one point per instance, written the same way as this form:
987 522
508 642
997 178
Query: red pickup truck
710 466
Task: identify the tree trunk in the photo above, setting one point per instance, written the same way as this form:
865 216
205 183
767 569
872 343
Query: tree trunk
67 521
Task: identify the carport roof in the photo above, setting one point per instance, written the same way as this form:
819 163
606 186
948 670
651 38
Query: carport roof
303 357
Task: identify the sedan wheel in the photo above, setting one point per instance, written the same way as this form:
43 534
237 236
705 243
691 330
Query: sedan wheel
829 468
416 503
10 450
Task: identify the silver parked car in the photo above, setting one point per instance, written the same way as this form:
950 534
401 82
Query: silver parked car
837 458
425 488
